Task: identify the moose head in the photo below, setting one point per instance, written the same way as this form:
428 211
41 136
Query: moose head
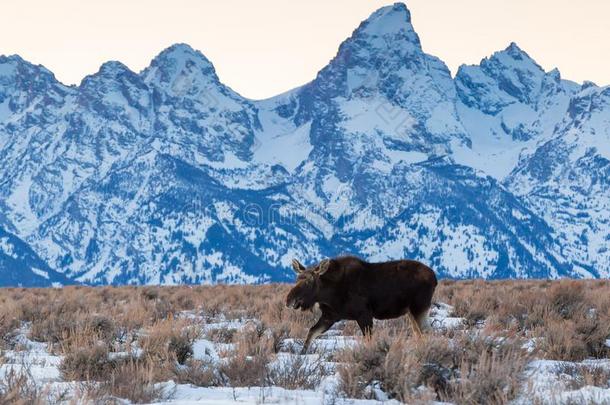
305 293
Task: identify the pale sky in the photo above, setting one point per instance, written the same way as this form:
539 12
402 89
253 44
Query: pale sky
265 47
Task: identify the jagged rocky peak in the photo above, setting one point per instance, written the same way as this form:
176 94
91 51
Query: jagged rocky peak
388 32
8 66
110 72
587 84
24 83
554 75
506 77
17 73
516 53
392 20
13 65
383 54
113 68
179 68
113 84
514 59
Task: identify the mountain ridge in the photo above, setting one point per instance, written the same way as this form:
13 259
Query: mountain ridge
169 176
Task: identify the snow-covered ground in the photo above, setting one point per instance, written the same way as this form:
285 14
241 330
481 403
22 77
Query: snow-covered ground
559 382
544 381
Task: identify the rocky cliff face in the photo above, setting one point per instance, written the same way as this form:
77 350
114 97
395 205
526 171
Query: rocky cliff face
168 176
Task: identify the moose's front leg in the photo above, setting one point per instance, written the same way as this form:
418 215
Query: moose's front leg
323 324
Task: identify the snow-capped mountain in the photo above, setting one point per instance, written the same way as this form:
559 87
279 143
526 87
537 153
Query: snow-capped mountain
168 176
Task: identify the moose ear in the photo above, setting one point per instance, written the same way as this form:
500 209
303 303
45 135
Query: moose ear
297 267
323 266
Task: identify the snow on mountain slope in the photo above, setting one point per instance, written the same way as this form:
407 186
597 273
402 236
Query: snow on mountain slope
22 267
566 180
168 176
446 224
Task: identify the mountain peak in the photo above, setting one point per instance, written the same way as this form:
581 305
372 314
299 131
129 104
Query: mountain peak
4 59
512 71
513 56
112 69
109 75
113 66
18 73
11 64
514 50
180 54
181 51
108 72
517 53
386 33
588 83
389 20
179 60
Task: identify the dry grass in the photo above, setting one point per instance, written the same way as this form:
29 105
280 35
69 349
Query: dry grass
581 375
87 364
9 321
570 320
134 380
169 340
199 373
464 370
297 372
247 364
18 387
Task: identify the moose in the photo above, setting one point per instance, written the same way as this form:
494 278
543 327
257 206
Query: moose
350 288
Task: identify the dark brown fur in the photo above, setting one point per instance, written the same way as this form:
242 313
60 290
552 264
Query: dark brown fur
350 288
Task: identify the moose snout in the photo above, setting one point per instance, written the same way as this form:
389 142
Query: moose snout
292 302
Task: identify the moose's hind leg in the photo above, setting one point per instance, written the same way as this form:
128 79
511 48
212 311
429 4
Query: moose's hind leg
422 320
366 324
414 324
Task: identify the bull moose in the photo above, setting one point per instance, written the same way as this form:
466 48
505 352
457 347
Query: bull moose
350 288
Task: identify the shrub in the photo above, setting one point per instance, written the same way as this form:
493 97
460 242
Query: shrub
150 293
566 298
582 375
9 323
246 365
102 326
296 372
181 346
244 371
167 341
490 370
279 333
362 365
465 370
162 309
574 339
87 364
126 377
133 379
17 386
220 335
66 330
199 373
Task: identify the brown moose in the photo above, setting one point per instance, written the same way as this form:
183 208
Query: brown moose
350 288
